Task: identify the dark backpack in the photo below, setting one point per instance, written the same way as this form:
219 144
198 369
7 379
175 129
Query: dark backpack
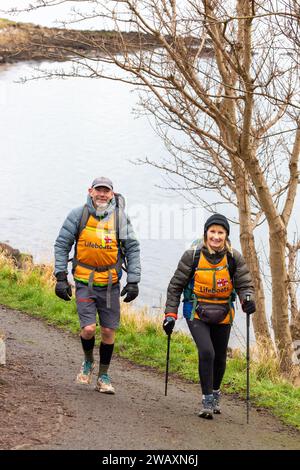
120 205
85 217
190 300
230 259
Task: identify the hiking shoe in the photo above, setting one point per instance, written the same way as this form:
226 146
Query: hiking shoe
216 403
104 385
85 375
207 407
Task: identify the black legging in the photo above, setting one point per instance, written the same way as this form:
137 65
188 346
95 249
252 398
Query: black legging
212 342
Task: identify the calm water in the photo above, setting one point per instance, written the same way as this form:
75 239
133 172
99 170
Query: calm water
56 137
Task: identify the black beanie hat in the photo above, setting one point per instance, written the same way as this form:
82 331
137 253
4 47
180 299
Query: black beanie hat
217 219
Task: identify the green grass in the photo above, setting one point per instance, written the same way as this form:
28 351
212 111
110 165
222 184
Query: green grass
4 22
31 293
141 340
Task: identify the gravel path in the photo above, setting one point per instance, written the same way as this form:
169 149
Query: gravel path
43 408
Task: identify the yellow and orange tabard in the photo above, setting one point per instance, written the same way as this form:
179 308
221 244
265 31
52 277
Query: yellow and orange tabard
212 284
97 253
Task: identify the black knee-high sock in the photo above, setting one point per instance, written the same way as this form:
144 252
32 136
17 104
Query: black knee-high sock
105 352
88 348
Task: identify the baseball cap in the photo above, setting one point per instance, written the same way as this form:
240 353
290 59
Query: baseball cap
102 181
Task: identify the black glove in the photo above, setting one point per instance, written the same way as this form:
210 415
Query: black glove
63 288
248 306
168 325
132 291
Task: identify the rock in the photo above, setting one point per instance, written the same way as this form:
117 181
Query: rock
19 258
10 251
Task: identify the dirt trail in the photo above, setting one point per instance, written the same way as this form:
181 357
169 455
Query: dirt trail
42 407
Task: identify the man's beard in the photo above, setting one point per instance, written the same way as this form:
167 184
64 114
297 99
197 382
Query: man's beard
101 207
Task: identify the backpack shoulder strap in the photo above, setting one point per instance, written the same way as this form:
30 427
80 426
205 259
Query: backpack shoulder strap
83 221
117 218
120 213
231 265
120 244
196 257
230 259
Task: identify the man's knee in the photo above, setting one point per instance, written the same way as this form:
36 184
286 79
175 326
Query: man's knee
107 335
88 331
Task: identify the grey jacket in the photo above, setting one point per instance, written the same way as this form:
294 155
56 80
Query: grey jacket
242 281
70 227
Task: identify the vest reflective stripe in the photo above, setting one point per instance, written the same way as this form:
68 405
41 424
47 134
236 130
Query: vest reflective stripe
212 284
97 253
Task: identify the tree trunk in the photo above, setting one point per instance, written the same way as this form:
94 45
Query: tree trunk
295 312
260 324
280 321
295 329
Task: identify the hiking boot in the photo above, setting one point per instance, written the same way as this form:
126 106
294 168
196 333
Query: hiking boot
85 375
104 385
207 407
216 403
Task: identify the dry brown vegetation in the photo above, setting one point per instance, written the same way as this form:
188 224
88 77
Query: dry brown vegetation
26 41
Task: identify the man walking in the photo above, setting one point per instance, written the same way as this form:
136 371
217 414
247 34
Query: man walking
103 238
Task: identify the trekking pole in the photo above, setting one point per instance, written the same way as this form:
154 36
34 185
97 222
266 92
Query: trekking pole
167 364
248 360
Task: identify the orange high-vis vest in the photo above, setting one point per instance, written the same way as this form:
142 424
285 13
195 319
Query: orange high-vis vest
97 247
212 284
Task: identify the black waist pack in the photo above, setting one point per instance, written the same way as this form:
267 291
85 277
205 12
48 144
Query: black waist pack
212 313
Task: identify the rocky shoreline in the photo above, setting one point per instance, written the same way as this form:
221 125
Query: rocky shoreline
26 41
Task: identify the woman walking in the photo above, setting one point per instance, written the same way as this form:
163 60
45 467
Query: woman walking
209 274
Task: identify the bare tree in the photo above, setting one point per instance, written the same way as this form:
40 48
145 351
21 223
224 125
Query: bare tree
220 76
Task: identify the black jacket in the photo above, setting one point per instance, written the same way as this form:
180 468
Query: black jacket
242 281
